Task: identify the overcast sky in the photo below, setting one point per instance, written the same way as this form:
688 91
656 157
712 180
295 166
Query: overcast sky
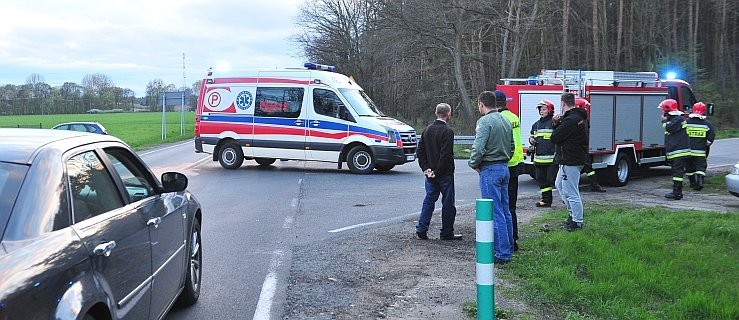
136 41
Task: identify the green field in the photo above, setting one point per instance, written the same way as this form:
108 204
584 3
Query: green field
138 129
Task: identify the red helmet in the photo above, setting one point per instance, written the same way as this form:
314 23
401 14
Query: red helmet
699 108
546 103
669 106
582 103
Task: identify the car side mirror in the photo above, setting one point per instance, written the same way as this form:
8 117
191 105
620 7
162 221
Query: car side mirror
174 181
709 109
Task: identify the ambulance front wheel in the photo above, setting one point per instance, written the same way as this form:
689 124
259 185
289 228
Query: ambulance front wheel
360 160
231 156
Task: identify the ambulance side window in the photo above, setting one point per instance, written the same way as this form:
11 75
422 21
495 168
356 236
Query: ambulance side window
278 102
327 103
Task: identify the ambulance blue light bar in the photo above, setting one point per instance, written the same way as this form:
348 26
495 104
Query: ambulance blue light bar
316 66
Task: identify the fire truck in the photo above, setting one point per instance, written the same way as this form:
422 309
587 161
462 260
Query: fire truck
625 123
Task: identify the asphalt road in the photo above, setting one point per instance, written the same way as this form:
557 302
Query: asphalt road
254 216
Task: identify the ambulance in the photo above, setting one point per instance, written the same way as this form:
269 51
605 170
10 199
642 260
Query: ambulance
308 114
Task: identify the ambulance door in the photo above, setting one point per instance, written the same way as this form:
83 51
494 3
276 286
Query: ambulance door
279 128
328 125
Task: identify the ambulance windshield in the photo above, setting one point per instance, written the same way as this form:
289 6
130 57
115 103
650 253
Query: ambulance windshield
361 103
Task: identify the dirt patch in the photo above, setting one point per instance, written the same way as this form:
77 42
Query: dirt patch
385 273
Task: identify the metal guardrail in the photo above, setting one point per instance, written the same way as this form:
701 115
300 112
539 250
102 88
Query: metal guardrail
464 139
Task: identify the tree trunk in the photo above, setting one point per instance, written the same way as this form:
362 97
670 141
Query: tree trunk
619 33
506 35
565 26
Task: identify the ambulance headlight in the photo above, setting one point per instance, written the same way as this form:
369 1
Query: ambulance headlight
391 136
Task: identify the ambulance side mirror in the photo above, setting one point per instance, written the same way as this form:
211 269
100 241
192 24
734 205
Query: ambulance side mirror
709 109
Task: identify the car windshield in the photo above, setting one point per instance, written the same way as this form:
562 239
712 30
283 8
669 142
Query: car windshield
361 103
11 176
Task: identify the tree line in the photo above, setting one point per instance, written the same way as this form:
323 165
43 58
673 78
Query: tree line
96 93
411 54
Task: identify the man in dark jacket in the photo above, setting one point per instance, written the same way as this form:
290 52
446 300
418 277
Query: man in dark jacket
546 169
677 144
701 133
436 159
570 137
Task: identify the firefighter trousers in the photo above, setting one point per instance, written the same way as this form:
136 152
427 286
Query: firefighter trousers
695 165
678 168
545 176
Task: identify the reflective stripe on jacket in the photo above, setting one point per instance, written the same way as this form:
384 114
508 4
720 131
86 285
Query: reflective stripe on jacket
677 142
542 130
701 134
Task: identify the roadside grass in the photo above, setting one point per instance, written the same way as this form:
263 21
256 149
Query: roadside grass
715 182
633 263
137 129
727 133
462 151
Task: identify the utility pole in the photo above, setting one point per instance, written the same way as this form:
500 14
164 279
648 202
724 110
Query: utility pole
182 108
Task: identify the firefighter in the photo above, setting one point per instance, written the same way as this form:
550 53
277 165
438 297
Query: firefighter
677 144
543 155
701 135
588 168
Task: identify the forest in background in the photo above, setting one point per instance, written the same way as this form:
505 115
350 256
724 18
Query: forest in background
410 55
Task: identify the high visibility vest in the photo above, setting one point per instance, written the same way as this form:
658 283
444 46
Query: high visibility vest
517 156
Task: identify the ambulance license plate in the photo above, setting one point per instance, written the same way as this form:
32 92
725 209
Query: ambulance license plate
410 157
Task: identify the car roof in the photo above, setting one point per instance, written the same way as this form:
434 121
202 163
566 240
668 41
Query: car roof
79 122
20 145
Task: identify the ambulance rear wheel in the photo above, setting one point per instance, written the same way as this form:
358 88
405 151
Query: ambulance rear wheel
385 167
360 160
231 156
264 161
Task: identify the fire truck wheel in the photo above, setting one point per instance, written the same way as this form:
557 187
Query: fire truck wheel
360 160
231 156
264 161
618 174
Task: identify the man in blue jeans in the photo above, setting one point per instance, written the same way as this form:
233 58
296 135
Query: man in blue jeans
436 159
491 151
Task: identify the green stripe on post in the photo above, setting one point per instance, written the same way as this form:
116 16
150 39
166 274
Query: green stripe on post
484 257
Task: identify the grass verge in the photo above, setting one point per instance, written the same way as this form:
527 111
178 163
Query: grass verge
137 129
633 263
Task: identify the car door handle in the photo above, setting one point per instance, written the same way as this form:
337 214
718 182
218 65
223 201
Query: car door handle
154 222
104 248
315 123
298 122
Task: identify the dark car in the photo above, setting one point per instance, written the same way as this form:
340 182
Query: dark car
92 127
88 232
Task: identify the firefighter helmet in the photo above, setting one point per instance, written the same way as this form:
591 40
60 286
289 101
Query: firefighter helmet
582 103
669 106
546 103
699 108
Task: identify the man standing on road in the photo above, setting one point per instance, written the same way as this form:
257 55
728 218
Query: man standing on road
436 159
515 165
570 137
491 152
701 134
587 169
546 170
677 144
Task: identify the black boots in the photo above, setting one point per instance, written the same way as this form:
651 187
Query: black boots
677 191
699 179
546 199
693 183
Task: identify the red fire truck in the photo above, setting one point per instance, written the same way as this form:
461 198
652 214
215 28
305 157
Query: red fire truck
625 124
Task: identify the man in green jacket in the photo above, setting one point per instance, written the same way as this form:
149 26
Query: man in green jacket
491 151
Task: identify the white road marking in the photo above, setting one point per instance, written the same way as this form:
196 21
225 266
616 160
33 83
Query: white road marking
269 287
165 148
387 220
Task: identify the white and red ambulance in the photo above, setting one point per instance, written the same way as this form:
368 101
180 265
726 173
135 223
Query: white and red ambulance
312 113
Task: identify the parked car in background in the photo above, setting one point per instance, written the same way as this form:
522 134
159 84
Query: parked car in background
93 127
732 180
88 232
